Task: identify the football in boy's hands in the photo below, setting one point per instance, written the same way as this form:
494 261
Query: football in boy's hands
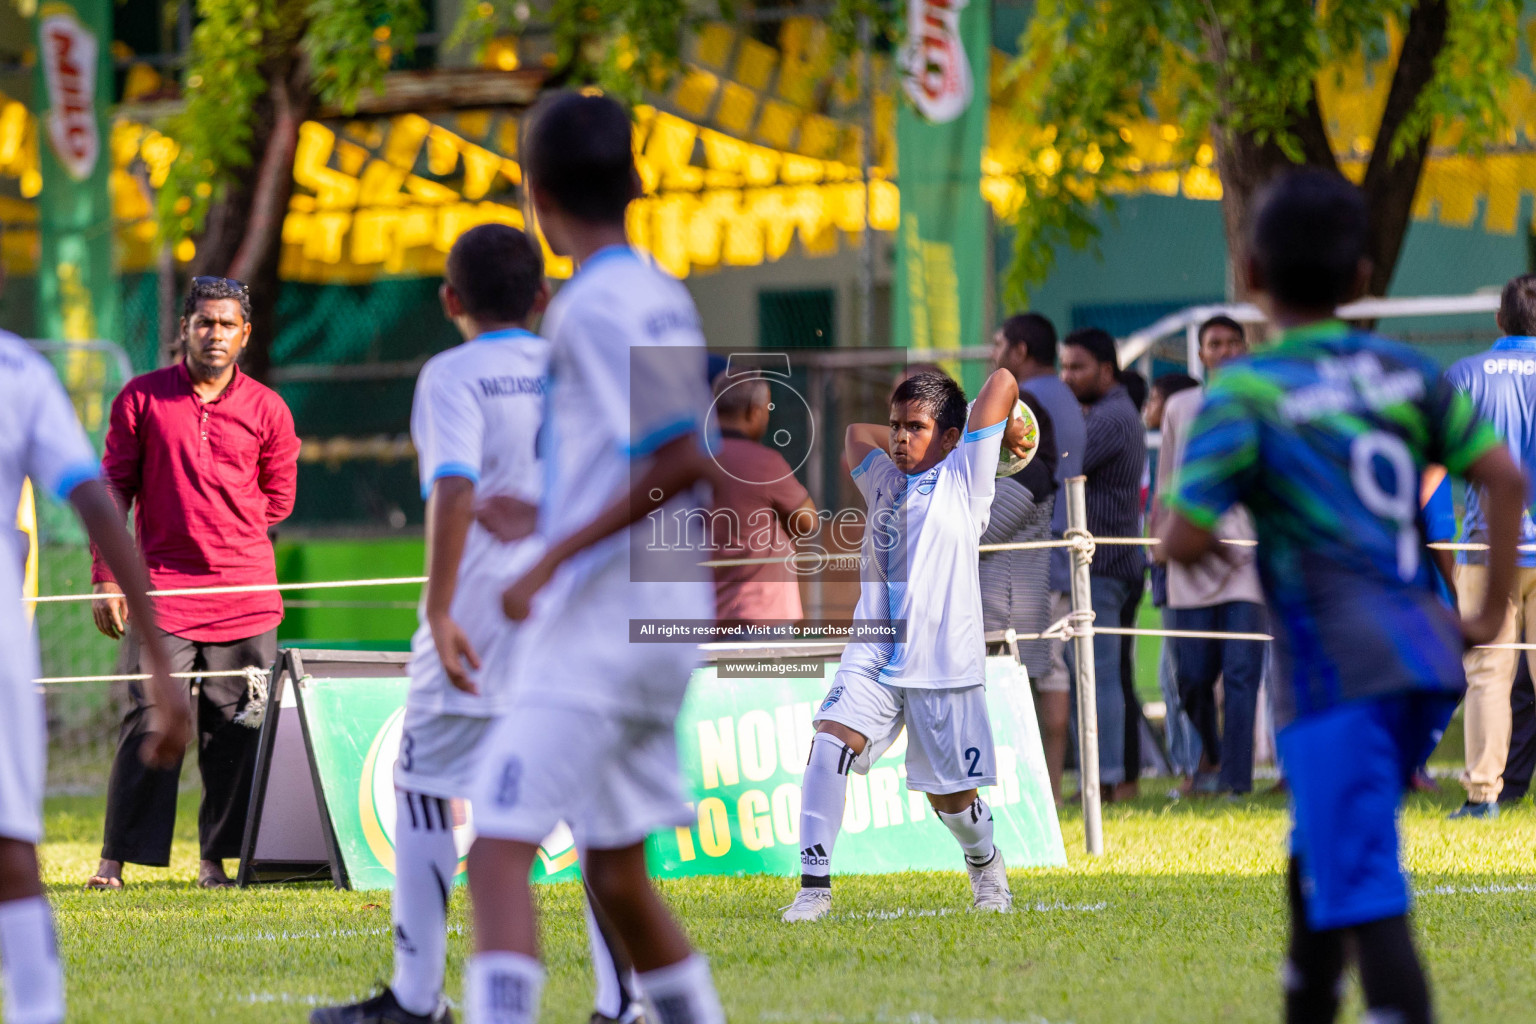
1021 439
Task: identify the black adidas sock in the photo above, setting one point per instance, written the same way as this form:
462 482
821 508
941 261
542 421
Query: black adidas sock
1390 973
1314 968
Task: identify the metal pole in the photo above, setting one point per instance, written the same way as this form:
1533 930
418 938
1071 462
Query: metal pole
867 158
1087 686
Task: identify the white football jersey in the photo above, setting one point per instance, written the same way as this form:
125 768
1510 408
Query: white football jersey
628 374
477 414
40 438
919 565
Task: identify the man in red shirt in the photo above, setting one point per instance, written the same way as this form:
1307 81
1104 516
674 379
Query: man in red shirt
768 508
208 460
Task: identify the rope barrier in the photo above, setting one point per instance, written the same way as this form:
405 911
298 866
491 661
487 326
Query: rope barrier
253 588
141 676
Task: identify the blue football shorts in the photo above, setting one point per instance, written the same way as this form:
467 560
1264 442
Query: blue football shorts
1348 768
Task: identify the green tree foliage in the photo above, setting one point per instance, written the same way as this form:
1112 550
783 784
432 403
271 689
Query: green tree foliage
1243 75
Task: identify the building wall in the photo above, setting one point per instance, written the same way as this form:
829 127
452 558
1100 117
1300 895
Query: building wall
1157 250
727 297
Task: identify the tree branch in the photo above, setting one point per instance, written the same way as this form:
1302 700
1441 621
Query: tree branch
1391 179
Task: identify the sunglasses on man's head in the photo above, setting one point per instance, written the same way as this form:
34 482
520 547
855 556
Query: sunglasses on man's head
198 282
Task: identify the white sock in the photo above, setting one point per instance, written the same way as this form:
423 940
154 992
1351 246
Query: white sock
972 828
502 988
612 998
823 792
682 993
425 864
29 961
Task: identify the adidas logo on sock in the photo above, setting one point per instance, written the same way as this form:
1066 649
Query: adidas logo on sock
814 857
403 942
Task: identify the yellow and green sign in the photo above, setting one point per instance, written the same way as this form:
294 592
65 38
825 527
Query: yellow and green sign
940 287
742 745
77 294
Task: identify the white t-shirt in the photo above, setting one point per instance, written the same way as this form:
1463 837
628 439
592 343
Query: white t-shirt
920 565
477 414
40 438
628 374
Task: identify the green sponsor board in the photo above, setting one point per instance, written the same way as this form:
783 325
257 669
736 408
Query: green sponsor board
77 290
940 286
742 745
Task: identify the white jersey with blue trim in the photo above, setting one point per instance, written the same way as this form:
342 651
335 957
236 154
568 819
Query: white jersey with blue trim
919 565
628 375
476 415
40 439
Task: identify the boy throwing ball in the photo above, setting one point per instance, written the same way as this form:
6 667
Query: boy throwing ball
929 497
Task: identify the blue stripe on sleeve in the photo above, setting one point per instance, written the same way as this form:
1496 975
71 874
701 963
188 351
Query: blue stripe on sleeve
863 467
462 469
74 476
661 436
985 432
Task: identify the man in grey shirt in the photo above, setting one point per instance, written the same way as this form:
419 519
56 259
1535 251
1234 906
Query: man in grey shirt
1025 345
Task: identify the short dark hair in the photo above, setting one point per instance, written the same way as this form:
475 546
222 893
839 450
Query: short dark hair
1220 320
1097 342
1036 333
580 150
1517 306
1170 384
495 270
203 289
1309 233
938 395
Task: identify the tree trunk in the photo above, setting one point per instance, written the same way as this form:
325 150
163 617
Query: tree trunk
1389 184
243 238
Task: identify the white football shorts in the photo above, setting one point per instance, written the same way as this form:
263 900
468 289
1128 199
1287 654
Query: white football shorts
23 751
949 733
440 752
610 772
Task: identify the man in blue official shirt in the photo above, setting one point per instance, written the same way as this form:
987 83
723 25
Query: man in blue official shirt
1502 385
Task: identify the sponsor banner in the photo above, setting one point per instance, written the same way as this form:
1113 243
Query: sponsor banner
77 294
743 744
940 287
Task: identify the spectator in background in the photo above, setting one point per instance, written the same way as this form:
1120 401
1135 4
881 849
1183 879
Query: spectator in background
1114 456
1025 345
1136 387
1502 385
208 460
1015 585
768 509
1220 593
1182 738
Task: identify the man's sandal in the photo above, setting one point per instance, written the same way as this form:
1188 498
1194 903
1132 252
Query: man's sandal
215 883
104 883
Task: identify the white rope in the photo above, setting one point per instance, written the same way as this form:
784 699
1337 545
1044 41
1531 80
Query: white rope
222 673
253 588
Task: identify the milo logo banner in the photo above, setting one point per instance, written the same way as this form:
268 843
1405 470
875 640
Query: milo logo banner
743 744
940 287
77 287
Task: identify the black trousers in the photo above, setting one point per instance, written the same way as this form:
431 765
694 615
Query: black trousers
141 802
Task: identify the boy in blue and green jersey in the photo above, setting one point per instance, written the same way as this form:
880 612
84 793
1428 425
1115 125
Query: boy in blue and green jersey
1324 437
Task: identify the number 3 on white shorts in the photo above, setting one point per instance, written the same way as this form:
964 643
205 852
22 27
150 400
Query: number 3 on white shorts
1399 500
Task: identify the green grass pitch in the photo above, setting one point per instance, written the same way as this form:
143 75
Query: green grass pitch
1183 920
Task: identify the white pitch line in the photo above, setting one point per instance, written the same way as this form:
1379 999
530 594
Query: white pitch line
902 912
1494 889
303 936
